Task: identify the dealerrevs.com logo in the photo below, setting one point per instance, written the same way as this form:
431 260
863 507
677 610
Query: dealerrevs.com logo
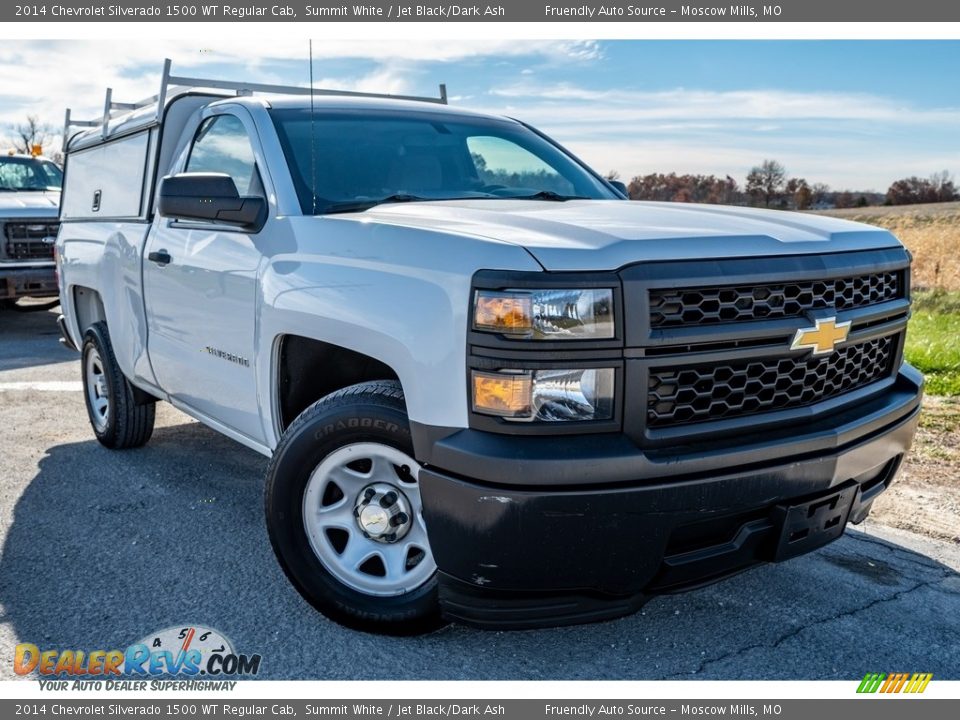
191 651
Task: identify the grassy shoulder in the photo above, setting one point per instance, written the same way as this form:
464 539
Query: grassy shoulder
925 498
933 340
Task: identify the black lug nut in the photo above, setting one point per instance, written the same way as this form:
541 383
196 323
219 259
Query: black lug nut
399 519
389 499
368 494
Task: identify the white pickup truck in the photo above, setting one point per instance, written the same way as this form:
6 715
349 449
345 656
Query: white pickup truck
29 198
492 388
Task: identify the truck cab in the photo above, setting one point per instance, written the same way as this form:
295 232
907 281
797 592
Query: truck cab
491 388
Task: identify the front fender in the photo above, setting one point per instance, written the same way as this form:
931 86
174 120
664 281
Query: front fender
398 295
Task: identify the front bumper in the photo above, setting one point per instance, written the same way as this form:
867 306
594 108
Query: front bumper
533 531
37 282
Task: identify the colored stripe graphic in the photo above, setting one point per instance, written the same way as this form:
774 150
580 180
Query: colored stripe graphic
922 682
894 683
871 682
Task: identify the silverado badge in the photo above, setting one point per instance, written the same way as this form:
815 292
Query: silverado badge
822 338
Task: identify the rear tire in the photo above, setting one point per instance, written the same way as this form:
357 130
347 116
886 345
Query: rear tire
344 514
118 420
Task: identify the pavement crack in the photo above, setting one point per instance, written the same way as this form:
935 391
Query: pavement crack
898 552
707 662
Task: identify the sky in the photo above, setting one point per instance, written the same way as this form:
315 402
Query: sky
853 114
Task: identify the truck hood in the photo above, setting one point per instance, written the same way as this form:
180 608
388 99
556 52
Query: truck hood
608 234
26 204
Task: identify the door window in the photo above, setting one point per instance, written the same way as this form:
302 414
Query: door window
223 146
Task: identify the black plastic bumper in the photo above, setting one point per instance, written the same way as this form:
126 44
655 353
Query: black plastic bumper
523 553
37 282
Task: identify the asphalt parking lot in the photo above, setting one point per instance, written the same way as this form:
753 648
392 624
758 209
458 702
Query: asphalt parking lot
100 548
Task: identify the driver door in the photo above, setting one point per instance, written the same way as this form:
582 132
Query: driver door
200 281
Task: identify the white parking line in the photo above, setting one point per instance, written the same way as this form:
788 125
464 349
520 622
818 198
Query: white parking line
43 386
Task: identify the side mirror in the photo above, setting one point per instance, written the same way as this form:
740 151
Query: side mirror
620 187
210 196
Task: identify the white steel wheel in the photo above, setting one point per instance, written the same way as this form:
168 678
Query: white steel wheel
98 390
363 516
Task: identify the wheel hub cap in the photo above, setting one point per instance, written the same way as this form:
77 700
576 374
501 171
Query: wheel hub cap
383 513
363 516
97 389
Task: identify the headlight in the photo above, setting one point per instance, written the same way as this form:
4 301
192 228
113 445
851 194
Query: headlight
545 395
585 314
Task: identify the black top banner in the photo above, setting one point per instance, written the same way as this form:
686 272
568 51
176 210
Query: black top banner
512 11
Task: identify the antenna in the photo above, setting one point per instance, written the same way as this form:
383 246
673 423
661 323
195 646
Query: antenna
313 141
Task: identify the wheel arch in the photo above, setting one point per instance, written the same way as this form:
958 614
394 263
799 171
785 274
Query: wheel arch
306 369
88 308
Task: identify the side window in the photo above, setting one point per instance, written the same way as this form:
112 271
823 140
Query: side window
222 146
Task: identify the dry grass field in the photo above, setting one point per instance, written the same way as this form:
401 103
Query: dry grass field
932 232
926 496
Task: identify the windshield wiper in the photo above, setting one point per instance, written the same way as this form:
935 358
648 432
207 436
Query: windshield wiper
546 195
361 205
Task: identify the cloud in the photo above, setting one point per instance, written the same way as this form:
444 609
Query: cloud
848 139
45 77
587 105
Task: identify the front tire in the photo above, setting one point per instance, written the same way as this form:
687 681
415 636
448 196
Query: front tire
344 514
118 420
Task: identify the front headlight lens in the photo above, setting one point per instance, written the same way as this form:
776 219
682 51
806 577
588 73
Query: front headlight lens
545 395
585 314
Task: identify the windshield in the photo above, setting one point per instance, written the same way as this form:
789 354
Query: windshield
358 161
21 173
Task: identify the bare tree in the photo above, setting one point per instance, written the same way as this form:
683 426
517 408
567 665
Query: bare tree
844 199
944 186
820 192
766 181
31 132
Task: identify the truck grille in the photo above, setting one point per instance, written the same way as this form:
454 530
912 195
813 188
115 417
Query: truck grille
729 304
30 240
714 391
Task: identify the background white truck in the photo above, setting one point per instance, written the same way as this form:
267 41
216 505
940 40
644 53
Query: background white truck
29 205
492 389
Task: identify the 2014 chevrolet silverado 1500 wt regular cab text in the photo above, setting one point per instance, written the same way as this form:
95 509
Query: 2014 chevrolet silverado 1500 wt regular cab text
492 389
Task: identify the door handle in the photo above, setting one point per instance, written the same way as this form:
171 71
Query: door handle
161 258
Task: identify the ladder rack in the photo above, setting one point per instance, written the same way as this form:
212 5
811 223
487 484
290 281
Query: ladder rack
112 110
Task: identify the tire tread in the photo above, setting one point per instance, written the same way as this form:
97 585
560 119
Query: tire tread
396 616
132 423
